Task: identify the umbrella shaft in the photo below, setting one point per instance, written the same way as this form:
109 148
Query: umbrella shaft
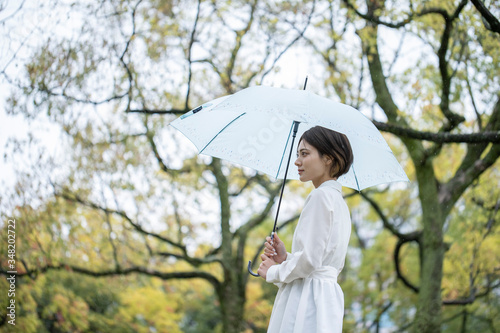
294 134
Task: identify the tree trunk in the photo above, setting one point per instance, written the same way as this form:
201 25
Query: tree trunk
232 291
428 316
232 303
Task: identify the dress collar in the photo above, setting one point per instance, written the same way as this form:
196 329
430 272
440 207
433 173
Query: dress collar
332 183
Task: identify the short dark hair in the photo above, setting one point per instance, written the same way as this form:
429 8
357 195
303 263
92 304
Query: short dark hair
332 144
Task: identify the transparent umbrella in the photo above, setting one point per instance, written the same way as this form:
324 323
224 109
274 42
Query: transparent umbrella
257 126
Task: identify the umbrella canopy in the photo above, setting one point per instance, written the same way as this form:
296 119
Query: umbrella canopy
254 128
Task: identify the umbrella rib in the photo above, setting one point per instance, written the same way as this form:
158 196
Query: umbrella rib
355 177
284 151
232 121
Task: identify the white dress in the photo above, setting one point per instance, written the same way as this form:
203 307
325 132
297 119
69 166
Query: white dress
309 299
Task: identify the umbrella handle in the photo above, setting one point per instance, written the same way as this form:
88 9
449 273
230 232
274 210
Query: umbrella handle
250 269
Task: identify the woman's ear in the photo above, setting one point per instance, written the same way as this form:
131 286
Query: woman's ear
328 160
334 167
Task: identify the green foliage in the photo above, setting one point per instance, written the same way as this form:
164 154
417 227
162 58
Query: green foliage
66 302
145 308
200 314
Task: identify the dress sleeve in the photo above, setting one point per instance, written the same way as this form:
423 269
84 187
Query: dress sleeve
313 233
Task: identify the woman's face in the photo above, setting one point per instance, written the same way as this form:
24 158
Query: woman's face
311 165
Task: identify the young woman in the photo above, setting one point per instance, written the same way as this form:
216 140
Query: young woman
309 299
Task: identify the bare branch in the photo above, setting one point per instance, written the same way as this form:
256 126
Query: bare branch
77 199
456 315
184 256
190 48
152 143
113 246
474 273
248 182
402 239
126 271
397 250
228 81
355 227
122 57
473 164
385 220
257 220
397 53
453 118
299 36
440 137
491 220
383 96
243 231
18 49
374 19
176 112
161 162
380 312
471 94
461 301
32 276
211 63
196 262
333 46
493 23
80 100
2 7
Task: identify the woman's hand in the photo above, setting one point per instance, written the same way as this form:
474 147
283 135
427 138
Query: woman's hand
264 265
275 249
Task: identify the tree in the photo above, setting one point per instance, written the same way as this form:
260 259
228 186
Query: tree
457 46
108 218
